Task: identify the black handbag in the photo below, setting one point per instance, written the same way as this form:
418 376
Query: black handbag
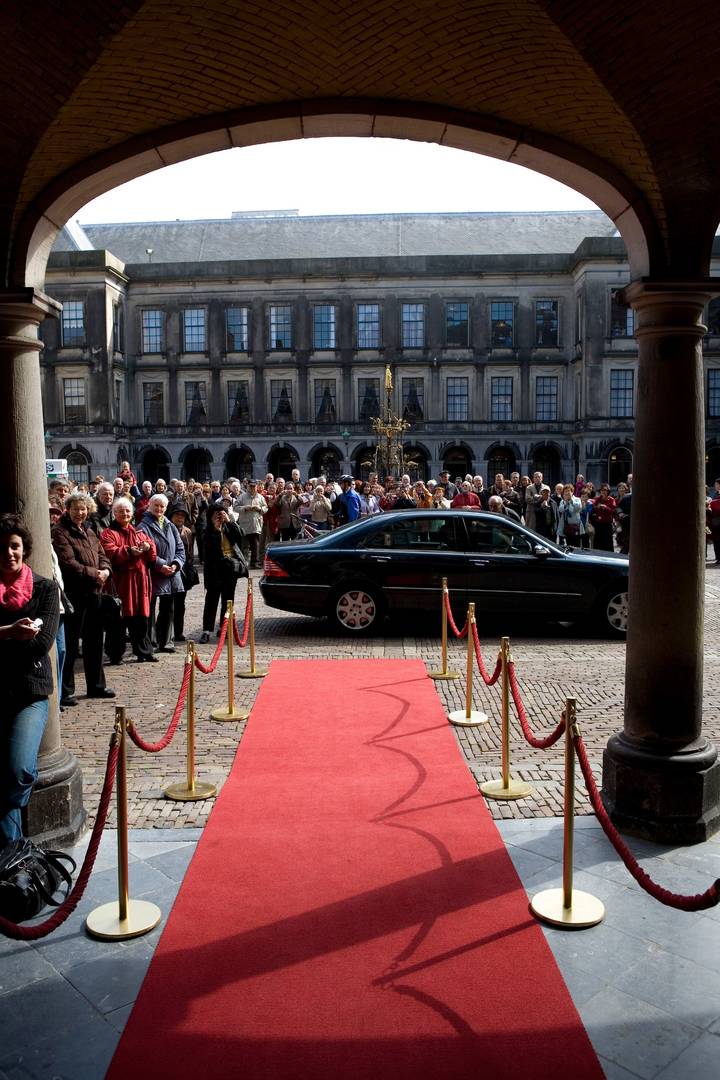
110 604
29 879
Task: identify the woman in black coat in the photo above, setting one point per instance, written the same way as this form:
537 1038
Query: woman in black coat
29 617
224 564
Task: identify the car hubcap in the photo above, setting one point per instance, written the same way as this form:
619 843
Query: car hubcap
356 609
617 611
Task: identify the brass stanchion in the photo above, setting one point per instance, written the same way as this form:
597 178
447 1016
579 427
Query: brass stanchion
253 673
567 906
231 713
505 788
122 918
444 673
191 791
467 717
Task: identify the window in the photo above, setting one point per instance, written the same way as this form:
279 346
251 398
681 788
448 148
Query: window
546 397
238 401
325 401
491 539
118 401
195 403
324 326
413 400
546 324
457 399
621 392
422 534
280 326
368 326
152 332
74 397
73 324
413 326
118 329
501 398
713 317
77 467
713 392
194 339
281 408
237 336
622 320
457 325
368 398
153 404
501 324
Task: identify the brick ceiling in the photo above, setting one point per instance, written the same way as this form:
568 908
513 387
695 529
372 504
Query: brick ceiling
634 84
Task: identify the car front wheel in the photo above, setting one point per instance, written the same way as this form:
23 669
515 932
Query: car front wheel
613 611
356 610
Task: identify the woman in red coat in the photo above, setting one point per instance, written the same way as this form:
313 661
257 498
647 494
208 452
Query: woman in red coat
131 552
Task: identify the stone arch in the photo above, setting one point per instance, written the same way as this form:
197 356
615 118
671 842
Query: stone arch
592 176
324 459
79 461
281 459
196 461
154 463
457 458
239 460
548 457
501 457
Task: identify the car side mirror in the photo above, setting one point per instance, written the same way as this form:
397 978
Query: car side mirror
541 552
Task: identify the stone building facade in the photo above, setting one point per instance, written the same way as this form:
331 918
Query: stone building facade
260 343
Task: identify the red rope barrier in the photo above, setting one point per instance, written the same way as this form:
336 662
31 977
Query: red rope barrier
216 656
453 625
59 916
539 744
699 902
241 642
155 748
489 680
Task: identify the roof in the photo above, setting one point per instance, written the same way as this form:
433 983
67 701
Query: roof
337 236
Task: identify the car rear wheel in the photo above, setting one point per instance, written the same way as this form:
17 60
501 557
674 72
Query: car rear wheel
356 609
613 611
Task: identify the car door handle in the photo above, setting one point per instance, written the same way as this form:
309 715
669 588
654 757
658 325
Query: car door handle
479 562
380 558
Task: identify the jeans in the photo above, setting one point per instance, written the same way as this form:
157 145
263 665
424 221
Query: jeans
60 646
21 730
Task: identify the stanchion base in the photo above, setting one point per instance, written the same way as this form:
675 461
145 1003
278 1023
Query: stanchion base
105 922
443 675
495 789
182 793
224 716
461 718
256 673
586 910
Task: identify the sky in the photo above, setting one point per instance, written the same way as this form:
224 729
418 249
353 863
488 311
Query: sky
332 176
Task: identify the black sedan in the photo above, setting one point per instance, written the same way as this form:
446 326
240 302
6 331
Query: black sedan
395 562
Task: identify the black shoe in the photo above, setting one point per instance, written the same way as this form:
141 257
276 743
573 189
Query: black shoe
204 637
168 648
104 693
180 637
151 659
68 702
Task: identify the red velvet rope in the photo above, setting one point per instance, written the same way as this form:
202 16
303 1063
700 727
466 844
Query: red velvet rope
58 917
453 625
241 642
489 680
699 902
155 748
216 656
539 744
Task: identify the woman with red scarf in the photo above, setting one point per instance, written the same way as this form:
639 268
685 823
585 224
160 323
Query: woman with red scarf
29 616
131 552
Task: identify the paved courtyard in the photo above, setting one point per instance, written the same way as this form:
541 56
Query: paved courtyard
552 662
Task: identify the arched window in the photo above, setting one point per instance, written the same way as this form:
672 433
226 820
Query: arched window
78 467
619 465
457 462
196 464
156 464
501 460
546 459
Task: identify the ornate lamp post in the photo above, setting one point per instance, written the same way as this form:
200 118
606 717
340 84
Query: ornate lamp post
389 430
345 436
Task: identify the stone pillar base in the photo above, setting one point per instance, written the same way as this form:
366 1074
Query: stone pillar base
669 799
55 815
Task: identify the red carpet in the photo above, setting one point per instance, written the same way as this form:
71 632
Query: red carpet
351 910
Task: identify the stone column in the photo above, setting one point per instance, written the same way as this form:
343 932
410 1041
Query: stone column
55 812
661 776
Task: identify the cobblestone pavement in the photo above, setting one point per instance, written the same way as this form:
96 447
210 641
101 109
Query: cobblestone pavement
552 662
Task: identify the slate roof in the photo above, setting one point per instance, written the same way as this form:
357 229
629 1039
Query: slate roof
338 236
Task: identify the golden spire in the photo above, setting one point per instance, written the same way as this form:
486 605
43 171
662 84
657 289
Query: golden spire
388 377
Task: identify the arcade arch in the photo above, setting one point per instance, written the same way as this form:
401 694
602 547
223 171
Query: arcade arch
239 461
196 462
155 464
282 459
548 458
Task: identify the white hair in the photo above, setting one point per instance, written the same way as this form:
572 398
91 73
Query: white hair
159 497
122 501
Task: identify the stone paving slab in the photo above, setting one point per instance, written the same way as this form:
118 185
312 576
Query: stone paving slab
553 662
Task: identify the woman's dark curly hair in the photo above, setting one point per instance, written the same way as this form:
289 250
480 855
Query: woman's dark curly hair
11 524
